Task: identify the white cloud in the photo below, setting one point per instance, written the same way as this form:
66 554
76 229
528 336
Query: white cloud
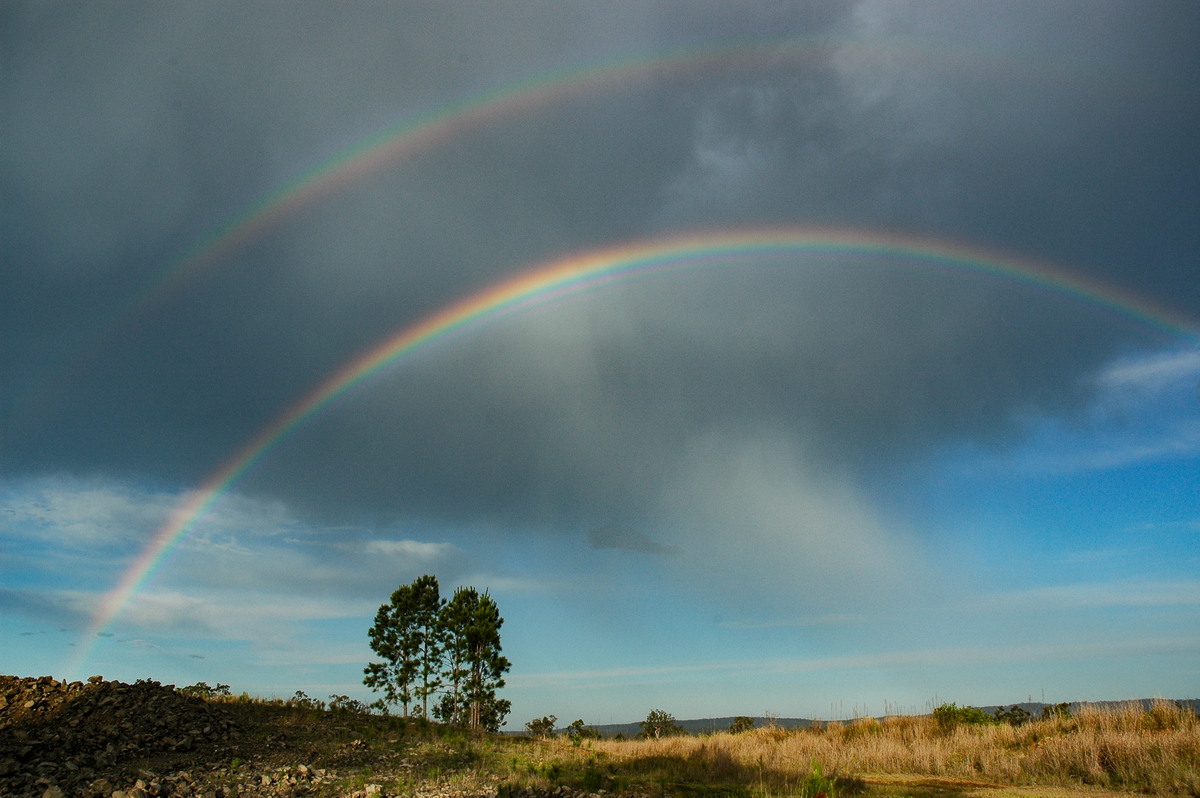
81 513
1148 375
413 551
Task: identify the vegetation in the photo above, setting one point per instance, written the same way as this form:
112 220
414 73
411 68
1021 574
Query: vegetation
659 724
542 727
951 715
429 645
742 723
1125 748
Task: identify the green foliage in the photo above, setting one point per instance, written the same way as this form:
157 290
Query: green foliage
578 732
344 703
301 699
741 724
429 644
542 727
1057 711
1013 716
950 715
659 723
202 690
471 621
816 783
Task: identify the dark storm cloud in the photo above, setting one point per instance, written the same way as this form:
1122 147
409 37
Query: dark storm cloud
628 539
131 135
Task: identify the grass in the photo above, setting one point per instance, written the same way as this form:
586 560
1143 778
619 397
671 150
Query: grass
1155 751
1100 751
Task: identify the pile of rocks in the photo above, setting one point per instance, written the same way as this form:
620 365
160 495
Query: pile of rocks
60 738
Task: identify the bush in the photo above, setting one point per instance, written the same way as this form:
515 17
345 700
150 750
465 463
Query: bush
741 724
1057 711
202 690
1013 716
950 715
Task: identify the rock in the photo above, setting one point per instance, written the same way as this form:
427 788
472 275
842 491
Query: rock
65 732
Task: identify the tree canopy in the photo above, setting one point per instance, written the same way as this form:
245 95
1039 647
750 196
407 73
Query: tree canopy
429 645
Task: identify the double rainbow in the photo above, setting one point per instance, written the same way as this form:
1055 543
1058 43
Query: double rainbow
580 272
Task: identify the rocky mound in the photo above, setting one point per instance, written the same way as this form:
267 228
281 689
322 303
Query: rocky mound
59 738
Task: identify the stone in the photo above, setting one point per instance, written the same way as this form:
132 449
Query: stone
71 730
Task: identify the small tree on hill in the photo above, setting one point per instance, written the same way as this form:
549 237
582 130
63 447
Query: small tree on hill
543 726
660 723
741 723
577 732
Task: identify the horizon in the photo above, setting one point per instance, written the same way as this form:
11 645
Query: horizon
786 356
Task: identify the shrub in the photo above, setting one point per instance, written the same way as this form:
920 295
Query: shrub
950 715
578 732
1013 716
202 690
741 724
1057 711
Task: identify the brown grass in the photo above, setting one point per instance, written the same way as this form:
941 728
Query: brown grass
1155 751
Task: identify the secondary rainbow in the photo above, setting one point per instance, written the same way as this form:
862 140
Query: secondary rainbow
441 126
583 271
444 124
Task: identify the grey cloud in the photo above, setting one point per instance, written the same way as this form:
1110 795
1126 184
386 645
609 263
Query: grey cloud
134 135
52 607
628 539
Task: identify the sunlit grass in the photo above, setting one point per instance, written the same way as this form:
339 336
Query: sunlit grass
1154 751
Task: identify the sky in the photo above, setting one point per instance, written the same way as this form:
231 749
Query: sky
815 359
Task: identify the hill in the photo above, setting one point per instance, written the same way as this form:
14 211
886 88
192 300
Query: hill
1034 708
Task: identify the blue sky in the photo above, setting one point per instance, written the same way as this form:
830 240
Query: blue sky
788 486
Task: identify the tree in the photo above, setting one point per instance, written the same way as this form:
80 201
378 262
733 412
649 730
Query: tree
578 732
428 644
472 621
407 634
1014 715
741 724
455 619
427 608
660 724
543 726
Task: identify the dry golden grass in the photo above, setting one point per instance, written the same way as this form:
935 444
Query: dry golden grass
1155 751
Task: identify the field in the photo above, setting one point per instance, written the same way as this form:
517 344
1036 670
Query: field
59 737
1153 751
1098 752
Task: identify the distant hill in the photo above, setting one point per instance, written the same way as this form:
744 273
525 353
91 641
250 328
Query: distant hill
711 725
705 725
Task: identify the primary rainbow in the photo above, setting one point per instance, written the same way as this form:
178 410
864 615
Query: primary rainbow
579 272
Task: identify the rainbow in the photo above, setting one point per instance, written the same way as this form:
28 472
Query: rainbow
583 271
444 124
